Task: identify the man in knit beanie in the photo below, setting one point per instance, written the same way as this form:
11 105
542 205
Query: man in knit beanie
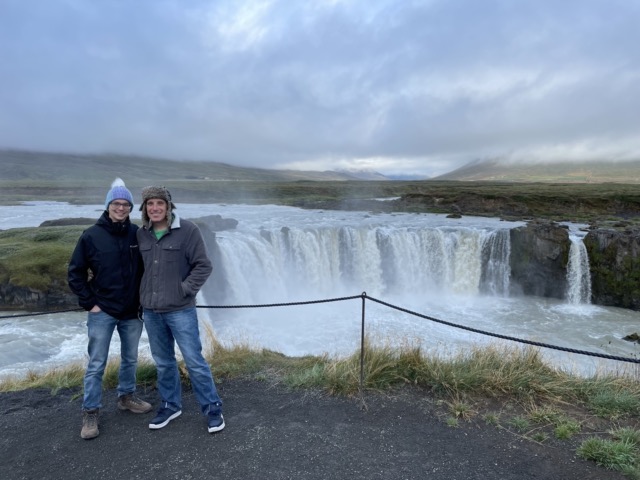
176 266
118 192
104 272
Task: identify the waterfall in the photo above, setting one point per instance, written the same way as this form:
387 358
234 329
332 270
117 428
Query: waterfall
294 263
578 273
496 271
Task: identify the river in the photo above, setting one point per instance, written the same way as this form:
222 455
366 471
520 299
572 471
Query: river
449 269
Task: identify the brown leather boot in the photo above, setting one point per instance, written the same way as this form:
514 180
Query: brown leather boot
90 424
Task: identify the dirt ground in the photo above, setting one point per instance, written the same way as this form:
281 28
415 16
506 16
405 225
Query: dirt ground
273 433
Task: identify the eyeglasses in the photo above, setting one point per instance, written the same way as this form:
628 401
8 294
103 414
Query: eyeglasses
117 205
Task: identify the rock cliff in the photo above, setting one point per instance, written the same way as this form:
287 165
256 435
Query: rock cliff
539 256
57 297
614 260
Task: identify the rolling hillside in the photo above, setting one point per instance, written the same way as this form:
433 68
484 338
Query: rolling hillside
35 167
75 178
562 172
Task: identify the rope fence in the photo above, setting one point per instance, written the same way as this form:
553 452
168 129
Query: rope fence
364 297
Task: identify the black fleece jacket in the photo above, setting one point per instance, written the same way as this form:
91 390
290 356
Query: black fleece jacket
110 250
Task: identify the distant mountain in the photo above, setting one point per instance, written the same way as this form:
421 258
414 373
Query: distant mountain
361 174
407 177
28 166
552 172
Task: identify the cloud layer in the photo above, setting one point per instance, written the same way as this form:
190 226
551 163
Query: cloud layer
411 87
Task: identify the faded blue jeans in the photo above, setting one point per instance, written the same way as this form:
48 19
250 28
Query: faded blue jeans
181 327
100 326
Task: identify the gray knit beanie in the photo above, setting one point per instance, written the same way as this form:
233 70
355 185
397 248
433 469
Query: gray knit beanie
156 192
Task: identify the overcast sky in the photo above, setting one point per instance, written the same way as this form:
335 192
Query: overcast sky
397 86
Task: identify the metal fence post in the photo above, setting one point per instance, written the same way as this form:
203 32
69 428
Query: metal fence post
364 296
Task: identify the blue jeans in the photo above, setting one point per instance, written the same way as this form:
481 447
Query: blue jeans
100 326
181 326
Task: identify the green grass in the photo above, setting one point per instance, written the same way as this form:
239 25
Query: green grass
521 424
491 419
611 454
69 376
609 397
452 422
540 437
461 410
566 429
37 258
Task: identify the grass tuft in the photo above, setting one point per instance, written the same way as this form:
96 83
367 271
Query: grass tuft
56 379
566 429
614 455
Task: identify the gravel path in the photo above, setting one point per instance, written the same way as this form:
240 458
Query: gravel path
272 433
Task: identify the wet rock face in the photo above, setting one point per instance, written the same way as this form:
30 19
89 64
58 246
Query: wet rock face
539 256
216 223
21 298
614 261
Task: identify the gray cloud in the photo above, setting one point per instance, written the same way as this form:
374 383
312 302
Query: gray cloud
413 86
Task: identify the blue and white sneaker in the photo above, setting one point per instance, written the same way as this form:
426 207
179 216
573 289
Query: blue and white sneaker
215 420
163 417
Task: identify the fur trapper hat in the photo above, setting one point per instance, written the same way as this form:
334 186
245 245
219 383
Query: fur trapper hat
118 192
156 192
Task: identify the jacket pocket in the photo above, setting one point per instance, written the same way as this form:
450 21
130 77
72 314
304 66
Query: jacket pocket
144 249
171 253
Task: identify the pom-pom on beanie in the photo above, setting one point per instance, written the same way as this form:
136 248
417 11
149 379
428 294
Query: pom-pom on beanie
156 192
118 192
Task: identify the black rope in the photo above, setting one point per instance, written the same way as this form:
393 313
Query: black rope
506 337
395 307
308 302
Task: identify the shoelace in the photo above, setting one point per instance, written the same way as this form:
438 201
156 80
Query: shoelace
131 399
92 419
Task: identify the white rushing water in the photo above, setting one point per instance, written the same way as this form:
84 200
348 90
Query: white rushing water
455 270
578 278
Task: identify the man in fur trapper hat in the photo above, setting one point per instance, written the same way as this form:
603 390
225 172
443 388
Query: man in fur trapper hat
160 193
176 266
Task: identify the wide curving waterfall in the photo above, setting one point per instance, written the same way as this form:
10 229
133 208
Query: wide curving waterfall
578 274
456 270
321 262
